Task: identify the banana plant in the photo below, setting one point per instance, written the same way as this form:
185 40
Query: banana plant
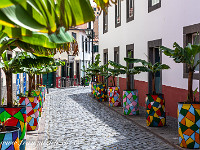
152 68
185 55
10 66
94 69
37 65
114 72
126 69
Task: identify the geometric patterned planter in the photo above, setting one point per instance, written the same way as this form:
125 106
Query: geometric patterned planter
155 110
17 117
114 96
101 92
43 89
189 125
130 102
32 110
94 85
39 95
9 140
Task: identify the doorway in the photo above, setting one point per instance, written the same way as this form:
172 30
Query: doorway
130 53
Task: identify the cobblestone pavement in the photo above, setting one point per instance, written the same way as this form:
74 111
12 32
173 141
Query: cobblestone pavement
75 121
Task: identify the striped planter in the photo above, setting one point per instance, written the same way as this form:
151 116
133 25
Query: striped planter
130 102
155 110
32 110
17 117
114 96
101 92
189 125
9 140
40 97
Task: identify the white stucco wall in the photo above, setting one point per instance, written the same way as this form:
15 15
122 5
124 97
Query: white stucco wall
165 23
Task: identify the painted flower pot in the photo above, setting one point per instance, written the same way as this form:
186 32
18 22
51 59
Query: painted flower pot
86 82
130 102
155 110
92 86
32 110
189 125
101 92
9 139
17 117
114 96
94 89
42 90
39 95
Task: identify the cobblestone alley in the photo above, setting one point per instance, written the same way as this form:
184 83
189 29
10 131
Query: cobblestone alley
73 120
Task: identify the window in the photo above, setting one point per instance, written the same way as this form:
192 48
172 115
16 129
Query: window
118 14
154 2
154 56
105 56
116 54
105 21
86 45
129 10
82 43
153 5
191 35
130 50
74 35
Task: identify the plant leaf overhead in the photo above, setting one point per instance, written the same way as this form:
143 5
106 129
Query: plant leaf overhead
46 16
7 3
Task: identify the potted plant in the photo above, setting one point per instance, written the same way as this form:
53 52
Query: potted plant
93 70
113 90
188 111
101 87
31 66
155 102
17 114
130 96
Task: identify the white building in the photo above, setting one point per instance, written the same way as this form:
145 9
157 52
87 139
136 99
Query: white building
141 26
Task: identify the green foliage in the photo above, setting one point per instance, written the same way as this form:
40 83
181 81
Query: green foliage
183 55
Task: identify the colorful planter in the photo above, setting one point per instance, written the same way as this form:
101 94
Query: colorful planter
39 95
101 92
17 117
114 96
189 125
32 110
43 89
86 82
130 102
9 140
94 89
155 110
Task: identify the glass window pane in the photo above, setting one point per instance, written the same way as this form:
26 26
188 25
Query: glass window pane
154 2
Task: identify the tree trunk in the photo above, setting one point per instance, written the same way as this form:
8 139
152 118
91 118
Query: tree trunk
30 78
153 84
38 81
128 82
9 89
114 81
33 84
190 82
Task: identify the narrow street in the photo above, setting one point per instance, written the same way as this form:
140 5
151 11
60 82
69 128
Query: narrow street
73 120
